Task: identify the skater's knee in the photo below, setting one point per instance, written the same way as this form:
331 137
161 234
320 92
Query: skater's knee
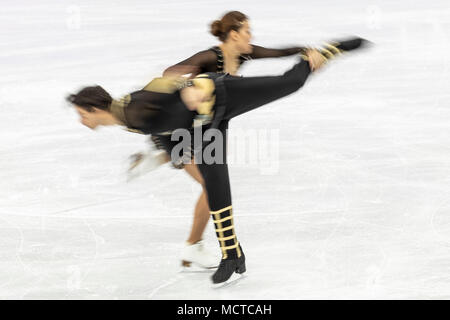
294 83
202 183
297 76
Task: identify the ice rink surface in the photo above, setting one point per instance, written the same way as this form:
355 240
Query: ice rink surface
355 203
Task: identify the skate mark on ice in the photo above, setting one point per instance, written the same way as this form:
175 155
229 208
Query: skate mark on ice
94 204
164 285
229 283
19 249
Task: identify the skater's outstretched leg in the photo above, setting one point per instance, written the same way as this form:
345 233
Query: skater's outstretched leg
226 97
245 94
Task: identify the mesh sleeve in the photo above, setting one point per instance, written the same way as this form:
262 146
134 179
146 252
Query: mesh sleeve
261 52
200 62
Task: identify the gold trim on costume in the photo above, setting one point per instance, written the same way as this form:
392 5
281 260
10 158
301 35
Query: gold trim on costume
161 85
117 108
221 210
220 231
135 130
230 217
236 245
202 75
227 238
225 229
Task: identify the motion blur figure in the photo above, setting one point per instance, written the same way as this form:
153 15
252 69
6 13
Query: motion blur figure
170 103
234 33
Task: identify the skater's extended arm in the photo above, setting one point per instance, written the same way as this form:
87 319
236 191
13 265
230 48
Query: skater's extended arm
202 61
261 52
206 61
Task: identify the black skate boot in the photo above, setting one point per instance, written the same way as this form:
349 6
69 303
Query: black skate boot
229 266
233 259
349 44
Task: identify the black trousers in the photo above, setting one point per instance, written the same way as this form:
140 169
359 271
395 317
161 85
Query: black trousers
235 96
238 95
242 95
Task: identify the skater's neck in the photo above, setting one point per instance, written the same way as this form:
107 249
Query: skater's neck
229 50
109 119
114 121
116 114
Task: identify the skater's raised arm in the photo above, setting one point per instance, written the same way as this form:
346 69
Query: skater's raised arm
194 65
261 52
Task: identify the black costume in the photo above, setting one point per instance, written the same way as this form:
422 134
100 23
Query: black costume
211 60
158 110
208 61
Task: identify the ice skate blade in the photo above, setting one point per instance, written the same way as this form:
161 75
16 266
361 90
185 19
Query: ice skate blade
234 279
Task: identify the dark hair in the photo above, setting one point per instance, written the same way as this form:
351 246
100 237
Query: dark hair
232 20
91 97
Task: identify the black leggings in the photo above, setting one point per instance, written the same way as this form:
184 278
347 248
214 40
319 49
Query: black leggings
241 95
235 96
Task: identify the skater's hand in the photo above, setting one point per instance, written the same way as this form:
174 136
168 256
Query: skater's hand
316 59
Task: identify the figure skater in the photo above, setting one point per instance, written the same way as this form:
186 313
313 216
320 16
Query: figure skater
235 48
169 104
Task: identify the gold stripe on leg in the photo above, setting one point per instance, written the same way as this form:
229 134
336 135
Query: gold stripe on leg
224 219
234 246
221 210
227 238
218 220
220 232
224 229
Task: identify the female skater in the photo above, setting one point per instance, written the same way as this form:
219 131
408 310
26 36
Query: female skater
233 30
166 105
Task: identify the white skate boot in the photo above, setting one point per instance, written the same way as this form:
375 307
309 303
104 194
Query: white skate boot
198 255
144 162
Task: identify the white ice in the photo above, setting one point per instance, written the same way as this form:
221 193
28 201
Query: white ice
358 206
